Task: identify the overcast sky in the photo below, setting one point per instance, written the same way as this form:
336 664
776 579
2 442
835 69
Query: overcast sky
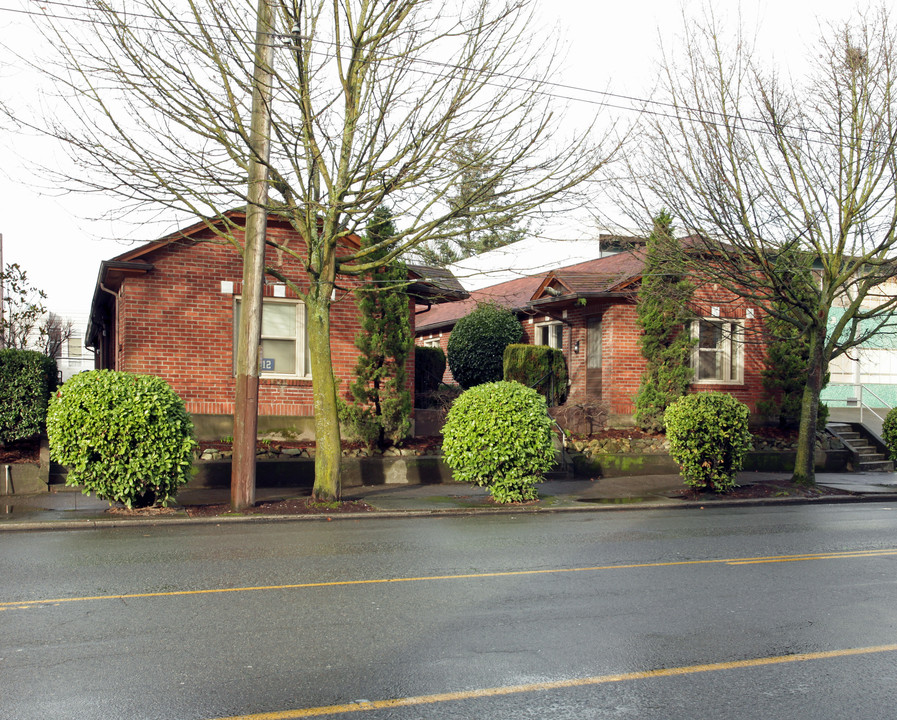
611 47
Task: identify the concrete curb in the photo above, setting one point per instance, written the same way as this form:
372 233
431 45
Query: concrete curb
582 507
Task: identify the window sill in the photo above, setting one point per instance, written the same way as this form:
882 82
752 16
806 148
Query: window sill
287 381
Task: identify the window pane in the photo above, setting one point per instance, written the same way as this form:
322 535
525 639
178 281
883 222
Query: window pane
558 337
733 352
710 336
279 357
307 353
708 365
279 320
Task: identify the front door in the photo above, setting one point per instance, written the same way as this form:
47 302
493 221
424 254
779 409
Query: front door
593 357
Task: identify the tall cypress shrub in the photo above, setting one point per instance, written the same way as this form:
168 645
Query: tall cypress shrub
663 317
380 411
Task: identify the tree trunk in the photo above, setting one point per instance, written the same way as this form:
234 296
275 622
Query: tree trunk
324 390
805 462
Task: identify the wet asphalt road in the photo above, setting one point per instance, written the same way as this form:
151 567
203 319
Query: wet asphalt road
212 632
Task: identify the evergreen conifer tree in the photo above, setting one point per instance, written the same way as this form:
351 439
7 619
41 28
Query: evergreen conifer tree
381 407
663 315
483 220
787 349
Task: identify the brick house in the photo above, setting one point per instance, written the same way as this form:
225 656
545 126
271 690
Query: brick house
169 308
588 310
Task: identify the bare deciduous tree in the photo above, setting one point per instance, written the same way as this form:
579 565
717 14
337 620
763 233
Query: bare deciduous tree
55 332
790 188
20 322
371 98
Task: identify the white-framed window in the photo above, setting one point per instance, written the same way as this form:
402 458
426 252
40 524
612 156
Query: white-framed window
431 342
718 354
284 347
551 334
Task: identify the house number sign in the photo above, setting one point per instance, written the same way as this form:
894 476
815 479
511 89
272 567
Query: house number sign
267 365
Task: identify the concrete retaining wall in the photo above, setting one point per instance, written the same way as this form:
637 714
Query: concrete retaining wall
22 479
425 470
631 465
354 471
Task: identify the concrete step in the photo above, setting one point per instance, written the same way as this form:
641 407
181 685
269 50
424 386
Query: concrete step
851 436
877 466
867 459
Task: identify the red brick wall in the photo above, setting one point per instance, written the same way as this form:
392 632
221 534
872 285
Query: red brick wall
622 362
175 322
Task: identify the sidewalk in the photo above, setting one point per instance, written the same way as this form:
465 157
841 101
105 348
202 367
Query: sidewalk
69 509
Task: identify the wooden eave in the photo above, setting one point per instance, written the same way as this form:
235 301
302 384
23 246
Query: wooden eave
109 280
565 301
551 280
189 233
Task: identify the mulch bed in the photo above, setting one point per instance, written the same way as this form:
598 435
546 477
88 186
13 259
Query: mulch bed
20 451
294 506
777 489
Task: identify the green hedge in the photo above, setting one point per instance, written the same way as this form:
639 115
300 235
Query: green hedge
429 367
539 367
26 380
125 437
477 344
498 435
889 433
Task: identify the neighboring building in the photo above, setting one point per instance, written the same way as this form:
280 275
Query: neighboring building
534 256
73 356
588 310
170 307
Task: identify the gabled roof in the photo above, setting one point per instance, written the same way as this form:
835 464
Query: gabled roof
238 216
513 294
603 276
611 274
434 284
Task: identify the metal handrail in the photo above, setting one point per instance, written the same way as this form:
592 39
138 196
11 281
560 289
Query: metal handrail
862 388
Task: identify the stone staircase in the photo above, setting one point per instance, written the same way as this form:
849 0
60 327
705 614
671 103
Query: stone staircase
869 452
563 469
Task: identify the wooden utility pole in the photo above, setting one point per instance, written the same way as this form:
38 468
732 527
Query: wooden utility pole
250 329
2 329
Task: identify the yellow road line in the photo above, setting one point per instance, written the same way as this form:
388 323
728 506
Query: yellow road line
557 685
21 604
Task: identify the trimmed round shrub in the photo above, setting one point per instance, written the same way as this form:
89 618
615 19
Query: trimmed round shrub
125 437
889 433
498 435
709 437
478 342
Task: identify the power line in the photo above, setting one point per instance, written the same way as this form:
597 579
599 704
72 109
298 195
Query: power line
682 111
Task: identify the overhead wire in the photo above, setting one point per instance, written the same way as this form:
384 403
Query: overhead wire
682 110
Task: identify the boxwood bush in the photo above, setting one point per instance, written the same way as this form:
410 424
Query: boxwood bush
477 343
26 380
498 435
540 367
125 437
709 437
889 433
